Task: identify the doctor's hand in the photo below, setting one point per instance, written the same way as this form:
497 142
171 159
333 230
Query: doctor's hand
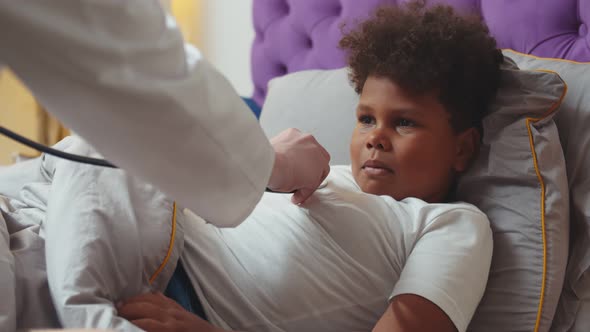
301 164
154 312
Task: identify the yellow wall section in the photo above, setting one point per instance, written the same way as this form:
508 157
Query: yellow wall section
187 14
18 112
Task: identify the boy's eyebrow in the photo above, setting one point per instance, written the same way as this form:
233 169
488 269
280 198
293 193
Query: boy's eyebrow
401 111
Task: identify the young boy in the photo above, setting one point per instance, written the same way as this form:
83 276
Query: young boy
381 246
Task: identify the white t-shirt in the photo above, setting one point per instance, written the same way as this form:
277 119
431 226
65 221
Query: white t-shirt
333 263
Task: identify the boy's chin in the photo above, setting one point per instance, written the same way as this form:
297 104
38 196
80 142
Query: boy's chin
376 189
377 186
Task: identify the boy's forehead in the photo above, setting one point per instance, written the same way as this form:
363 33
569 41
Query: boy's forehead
387 87
382 93
401 108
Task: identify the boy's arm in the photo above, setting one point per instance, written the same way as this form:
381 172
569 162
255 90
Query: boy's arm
444 276
409 312
155 312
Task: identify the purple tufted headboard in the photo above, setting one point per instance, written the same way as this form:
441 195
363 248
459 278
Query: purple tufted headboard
293 35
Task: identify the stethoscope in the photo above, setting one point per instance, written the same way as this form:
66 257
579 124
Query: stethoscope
45 149
70 156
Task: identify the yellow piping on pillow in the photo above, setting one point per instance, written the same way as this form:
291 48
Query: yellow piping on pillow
170 245
552 109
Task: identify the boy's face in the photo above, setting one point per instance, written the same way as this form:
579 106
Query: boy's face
404 145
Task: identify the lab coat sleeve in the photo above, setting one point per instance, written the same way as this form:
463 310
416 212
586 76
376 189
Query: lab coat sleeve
118 73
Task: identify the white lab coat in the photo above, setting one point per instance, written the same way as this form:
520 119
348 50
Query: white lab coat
118 73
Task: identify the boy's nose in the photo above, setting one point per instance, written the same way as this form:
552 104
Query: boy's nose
378 141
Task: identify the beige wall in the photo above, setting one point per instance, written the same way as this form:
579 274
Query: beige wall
227 35
223 30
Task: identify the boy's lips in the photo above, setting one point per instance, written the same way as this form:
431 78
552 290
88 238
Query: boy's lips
376 167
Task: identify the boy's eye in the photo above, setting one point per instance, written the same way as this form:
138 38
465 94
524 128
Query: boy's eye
405 123
365 119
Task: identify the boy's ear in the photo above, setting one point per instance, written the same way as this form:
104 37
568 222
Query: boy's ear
467 148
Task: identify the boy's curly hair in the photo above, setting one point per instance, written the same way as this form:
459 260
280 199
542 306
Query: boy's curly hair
429 49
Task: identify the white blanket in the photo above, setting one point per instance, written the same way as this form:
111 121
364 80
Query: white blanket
75 238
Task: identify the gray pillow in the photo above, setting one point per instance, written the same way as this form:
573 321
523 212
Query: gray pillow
573 122
530 247
519 181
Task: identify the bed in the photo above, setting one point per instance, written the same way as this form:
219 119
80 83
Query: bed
296 38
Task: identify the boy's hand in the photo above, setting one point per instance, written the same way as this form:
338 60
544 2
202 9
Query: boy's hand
155 312
301 164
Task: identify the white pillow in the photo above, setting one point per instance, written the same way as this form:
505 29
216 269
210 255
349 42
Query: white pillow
323 102
319 102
